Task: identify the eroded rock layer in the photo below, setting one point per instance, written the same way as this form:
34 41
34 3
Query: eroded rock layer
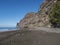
39 19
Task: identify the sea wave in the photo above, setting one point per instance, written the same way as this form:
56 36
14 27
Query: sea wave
7 29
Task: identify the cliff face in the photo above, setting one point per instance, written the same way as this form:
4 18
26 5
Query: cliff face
39 19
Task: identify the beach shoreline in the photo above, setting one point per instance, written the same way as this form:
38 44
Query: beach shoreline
29 37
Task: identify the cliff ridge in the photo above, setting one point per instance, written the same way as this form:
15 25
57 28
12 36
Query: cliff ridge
39 19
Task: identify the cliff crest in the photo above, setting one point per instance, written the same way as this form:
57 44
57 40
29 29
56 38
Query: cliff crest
39 19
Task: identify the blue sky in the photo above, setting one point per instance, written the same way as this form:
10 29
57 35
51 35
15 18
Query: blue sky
12 11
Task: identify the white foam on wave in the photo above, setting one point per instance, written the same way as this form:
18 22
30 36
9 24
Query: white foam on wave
4 30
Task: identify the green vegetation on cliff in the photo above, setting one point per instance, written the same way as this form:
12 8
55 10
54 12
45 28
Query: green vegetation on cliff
55 14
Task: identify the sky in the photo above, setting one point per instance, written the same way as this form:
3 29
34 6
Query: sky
12 11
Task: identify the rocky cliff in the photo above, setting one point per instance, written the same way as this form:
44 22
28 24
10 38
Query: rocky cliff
39 19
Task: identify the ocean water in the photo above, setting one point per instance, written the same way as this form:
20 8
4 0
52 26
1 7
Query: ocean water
2 29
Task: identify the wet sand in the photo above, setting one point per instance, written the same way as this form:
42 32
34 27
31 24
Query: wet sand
29 37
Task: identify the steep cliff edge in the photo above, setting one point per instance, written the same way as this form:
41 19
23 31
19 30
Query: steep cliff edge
39 19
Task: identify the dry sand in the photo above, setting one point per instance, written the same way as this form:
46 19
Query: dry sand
29 37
